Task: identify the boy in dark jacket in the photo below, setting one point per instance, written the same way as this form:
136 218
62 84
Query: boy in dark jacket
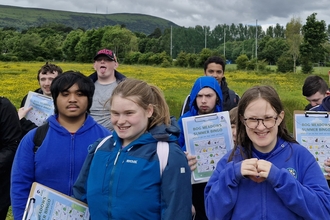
215 66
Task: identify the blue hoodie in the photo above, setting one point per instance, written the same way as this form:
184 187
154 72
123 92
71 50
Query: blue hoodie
200 83
125 183
295 188
55 164
325 106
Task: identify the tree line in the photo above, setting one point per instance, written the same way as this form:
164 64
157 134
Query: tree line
289 46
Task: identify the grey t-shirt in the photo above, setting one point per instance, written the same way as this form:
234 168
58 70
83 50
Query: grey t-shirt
100 110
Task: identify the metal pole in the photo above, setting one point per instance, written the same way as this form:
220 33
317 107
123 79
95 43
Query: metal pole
171 43
205 36
224 42
257 43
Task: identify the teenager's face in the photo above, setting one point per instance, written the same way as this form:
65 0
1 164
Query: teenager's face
316 99
72 103
206 101
215 70
264 139
129 119
104 67
45 80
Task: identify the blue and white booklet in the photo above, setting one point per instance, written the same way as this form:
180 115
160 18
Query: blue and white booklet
312 130
42 107
48 204
209 138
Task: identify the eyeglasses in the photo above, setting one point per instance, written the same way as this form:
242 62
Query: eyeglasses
253 123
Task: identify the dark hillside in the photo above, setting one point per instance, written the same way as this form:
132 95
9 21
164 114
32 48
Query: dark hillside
23 18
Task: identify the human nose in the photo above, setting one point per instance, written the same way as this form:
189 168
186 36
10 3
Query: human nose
48 82
203 99
121 119
72 98
260 122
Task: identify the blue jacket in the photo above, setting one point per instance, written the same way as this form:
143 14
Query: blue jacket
125 183
200 83
295 188
56 163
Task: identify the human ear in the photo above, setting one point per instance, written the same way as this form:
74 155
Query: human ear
150 110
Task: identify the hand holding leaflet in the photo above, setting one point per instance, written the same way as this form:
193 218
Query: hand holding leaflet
208 137
42 107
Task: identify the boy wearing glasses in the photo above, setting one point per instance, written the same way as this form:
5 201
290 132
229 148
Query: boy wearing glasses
105 79
205 98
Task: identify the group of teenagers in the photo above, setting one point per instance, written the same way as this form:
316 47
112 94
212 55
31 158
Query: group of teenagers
101 147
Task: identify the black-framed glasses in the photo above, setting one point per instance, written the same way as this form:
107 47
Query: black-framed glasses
253 123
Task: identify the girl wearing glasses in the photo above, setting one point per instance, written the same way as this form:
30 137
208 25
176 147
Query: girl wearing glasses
267 175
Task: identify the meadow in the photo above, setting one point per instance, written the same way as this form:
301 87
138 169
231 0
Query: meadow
17 78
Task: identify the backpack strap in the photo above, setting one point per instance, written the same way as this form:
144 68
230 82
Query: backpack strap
102 142
162 152
40 136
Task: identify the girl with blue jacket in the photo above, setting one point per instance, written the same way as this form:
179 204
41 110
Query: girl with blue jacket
122 178
267 175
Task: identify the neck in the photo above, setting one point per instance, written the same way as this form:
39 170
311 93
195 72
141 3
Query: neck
72 124
110 79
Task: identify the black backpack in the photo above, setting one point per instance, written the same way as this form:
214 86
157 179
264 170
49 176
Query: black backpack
40 136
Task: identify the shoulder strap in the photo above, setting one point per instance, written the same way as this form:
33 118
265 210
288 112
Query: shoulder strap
102 142
162 152
40 136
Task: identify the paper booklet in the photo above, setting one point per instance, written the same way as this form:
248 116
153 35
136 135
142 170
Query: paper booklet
42 107
312 130
45 203
209 137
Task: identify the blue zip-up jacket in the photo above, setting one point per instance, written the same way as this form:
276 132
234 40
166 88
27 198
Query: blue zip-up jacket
125 183
295 188
55 164
200 83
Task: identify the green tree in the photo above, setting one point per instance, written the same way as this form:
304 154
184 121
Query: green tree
70 43
294 39
311 49
242 62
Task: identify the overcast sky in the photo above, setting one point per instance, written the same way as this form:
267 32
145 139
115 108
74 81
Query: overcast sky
190 13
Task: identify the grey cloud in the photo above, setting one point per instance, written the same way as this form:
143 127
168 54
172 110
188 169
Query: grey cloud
190 13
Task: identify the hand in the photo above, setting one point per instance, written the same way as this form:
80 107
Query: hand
256 170
192 161
22 112
263 168
249 167
327 166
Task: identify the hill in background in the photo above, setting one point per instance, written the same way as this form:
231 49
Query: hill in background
23 18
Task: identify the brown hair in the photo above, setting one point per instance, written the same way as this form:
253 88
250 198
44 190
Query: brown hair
233 115
145 94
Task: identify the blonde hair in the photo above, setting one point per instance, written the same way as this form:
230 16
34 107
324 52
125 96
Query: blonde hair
145 95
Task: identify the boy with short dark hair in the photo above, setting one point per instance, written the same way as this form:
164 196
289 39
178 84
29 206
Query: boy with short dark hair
58 160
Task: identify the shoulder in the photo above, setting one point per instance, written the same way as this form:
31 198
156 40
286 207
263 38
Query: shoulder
119 76
6 104
302 152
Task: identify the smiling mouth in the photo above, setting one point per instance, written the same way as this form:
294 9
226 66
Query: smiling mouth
123 128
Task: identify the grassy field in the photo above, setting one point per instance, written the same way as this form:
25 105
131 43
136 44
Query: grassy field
16 79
